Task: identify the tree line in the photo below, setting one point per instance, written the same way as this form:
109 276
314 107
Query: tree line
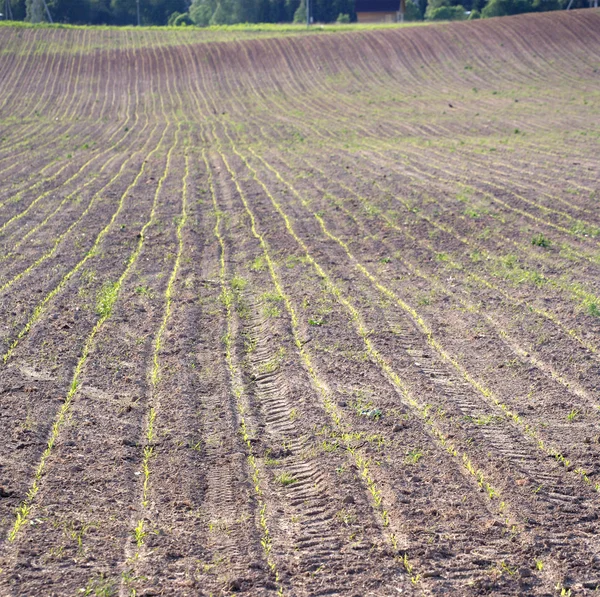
223 12
451 10
178 12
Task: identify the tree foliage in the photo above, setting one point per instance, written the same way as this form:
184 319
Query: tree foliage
500 8
300 14
224 12
445 12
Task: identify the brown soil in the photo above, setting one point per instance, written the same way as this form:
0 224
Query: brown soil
309 315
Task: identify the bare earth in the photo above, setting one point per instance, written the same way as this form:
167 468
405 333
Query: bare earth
303 315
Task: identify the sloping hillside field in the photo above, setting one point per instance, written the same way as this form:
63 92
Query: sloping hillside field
301 315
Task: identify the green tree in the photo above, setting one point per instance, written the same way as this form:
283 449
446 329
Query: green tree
243 11
289 8
173 18
300 14
446 13
444 10
412 12
18 10
35 11
99 13
221 16
183 20
201 11
500 8
124 11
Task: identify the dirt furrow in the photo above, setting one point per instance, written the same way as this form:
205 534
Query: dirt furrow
529 449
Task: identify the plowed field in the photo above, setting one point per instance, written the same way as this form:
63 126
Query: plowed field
301 315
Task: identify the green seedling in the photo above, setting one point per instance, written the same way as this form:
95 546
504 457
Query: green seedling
504 567
99 586
139 534
106 298
413 456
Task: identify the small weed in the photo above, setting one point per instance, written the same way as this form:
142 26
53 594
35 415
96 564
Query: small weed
196 446
581 229
413 456
539 240
143 291
88 276
385 259
106 299
272 364
292 261
330 446
249 345
371 413
593 309
273 297
345 517
259 264
271 311
29 423
472 213
285 479
483 420
316 322
99 586
572 415
238 283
